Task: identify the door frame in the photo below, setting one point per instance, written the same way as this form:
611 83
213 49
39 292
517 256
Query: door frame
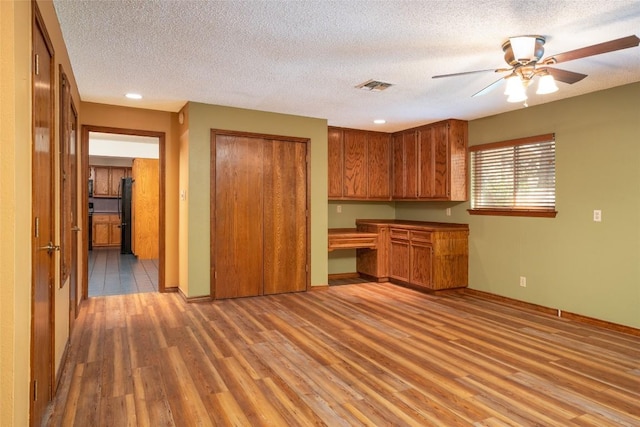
212 196
85 198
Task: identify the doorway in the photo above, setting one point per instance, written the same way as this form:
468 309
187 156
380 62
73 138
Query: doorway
125 229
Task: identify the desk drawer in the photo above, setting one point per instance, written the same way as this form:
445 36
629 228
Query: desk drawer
399 233
420 236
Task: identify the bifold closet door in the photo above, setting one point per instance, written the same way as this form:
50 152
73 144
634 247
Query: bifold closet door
237 241
285 221
259 224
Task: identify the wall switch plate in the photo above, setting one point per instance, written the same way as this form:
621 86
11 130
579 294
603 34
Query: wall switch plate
339 208
523 281
448 211
597 215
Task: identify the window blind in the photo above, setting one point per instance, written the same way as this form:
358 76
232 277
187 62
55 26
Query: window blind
514 175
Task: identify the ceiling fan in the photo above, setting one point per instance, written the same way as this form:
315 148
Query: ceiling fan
524 53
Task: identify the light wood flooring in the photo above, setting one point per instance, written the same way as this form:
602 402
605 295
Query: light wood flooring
363 354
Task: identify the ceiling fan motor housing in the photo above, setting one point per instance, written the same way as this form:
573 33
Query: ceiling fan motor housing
534 56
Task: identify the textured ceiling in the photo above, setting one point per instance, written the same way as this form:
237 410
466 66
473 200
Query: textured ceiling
305 57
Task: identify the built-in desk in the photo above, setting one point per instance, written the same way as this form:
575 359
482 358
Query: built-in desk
351 238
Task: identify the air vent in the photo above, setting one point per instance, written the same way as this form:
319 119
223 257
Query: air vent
374 85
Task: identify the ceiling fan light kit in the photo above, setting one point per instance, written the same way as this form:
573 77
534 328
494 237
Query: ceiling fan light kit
524 53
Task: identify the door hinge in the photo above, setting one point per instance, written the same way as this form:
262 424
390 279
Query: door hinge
306 268
35 390
37 227
215 274
37 64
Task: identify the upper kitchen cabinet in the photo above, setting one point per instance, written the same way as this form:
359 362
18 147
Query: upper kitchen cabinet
106 180
405 166
359 164
430 162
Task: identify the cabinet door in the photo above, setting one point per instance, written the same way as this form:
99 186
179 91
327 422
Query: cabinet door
101 181
335 153
421 260
379 165
115 234
399 259
355 164
410 164
101 233
397 166
116 175
441 161
405 171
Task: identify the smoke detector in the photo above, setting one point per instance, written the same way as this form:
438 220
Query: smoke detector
374 85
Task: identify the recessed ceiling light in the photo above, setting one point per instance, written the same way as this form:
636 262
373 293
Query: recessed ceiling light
379 121
133 96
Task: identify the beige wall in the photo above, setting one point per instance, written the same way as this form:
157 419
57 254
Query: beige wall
571 263
15 205
203 118
157 121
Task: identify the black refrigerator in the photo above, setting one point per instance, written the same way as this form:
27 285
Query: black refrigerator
124 211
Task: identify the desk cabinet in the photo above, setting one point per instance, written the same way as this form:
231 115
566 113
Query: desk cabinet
430 256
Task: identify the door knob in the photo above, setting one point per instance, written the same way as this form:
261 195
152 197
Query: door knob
50 247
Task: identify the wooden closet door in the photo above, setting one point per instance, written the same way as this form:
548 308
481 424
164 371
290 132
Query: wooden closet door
285 219
237 240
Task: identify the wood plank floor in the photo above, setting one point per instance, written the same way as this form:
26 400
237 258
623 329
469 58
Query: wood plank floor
363 354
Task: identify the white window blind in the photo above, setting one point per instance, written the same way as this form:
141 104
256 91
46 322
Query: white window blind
516 175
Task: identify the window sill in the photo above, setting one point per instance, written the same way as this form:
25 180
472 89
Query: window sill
515 212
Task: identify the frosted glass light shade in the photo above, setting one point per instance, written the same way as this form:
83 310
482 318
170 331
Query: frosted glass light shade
523 48
514 85
546 85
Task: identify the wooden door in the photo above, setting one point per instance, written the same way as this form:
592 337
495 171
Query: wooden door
237 229
335 162
285 218
378 165
355 164
69 225
43 226
144 226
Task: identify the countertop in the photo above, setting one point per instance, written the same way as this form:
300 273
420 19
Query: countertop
435 226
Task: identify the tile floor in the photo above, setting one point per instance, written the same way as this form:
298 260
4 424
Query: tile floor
111 273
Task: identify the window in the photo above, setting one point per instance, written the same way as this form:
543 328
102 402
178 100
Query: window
516 177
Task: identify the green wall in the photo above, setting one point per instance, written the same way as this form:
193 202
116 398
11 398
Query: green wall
203 118
571 263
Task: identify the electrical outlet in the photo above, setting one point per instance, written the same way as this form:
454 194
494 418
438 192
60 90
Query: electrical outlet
448 211
523 281
339 208
597 215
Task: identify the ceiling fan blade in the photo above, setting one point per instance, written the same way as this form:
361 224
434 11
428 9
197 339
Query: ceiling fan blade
596 49
564 75
489 88
464 73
